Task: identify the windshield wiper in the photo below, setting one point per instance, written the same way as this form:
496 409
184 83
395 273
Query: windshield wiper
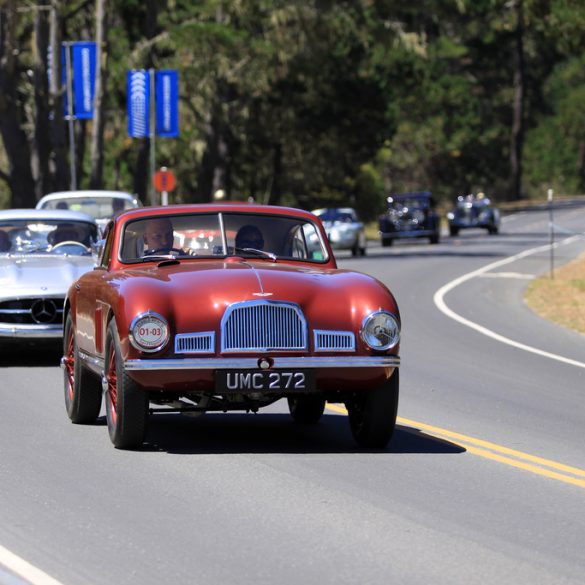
270 255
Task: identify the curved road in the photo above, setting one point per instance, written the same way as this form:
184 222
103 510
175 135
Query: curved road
484 481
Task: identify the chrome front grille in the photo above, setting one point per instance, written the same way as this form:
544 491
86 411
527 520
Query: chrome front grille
195 342
34 311
334 340
263 326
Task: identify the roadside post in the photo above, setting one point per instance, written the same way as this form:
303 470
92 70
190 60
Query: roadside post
551 232
164 181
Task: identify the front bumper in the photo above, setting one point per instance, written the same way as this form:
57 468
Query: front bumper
31 331
253 363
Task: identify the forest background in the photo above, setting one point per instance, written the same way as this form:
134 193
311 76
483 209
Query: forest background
308 103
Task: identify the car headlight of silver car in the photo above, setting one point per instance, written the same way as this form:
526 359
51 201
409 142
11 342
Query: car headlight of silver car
380 330
149 332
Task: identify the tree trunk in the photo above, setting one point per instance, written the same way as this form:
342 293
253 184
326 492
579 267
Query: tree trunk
20 177
58 165
97 137
519 92
42 137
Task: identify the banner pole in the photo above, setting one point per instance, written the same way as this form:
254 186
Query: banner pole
153 197
69 89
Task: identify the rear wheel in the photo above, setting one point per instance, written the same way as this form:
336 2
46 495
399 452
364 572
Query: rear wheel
387 242
306 409
126 401
453 231
372 414
83 392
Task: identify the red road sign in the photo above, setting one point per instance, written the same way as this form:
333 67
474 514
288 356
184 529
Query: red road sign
164 180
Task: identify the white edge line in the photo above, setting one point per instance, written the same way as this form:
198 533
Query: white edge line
24 569
439 299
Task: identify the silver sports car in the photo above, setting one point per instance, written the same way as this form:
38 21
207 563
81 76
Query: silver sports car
344 229
41 253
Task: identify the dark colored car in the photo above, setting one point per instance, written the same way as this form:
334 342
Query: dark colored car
227 307
473 211
410 215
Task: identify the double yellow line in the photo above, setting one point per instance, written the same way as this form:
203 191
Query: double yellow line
499 453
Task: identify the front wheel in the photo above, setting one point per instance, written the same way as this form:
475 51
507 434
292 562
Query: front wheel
83 393
372 414
306 409
126 401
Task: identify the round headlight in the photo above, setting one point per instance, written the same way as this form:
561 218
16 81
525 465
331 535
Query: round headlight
149 332
380 331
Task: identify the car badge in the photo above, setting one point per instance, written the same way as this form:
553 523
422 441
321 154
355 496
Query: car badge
43 311
262 294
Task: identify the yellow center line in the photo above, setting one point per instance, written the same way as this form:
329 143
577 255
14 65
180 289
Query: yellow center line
495 452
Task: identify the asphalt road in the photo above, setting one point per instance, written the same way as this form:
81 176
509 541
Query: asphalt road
484 481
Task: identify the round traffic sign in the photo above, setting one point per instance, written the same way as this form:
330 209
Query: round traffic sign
164 180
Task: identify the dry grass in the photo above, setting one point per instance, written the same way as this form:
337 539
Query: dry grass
561 299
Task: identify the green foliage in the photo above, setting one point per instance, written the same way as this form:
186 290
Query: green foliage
326 102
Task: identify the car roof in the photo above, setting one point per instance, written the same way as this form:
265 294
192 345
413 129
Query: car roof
83 194
413 195
226 207
339 209
45 215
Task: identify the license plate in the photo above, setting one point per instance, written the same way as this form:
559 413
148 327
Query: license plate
263 381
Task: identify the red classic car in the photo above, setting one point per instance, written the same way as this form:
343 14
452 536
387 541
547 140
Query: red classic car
252 311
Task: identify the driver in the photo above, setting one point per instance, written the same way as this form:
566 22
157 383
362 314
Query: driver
159 237
64 232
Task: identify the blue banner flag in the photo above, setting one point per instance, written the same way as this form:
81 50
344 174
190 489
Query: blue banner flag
167 103
83 56
138 103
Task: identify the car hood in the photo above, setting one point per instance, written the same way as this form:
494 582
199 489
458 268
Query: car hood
31 275
202 291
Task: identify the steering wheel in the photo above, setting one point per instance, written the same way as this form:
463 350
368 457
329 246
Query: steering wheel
163 251
70 243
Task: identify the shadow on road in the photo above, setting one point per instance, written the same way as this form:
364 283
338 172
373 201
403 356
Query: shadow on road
30 355
275 433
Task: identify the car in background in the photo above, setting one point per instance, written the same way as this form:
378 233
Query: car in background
473 211
100 204
410 215
255 313
344 229
41 253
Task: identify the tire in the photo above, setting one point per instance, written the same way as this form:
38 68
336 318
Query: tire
386 242
372 414
83 391
307 409
126 401
435 238
355 250
453 231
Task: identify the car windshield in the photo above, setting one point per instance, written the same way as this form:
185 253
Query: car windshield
47 236
102 207
206 235
336 215
410 203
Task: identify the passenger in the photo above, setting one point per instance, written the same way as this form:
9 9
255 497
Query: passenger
249 236
117 205
159 237
5 243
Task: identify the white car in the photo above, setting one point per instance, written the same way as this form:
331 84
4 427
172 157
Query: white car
100 204
344 230
41 253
